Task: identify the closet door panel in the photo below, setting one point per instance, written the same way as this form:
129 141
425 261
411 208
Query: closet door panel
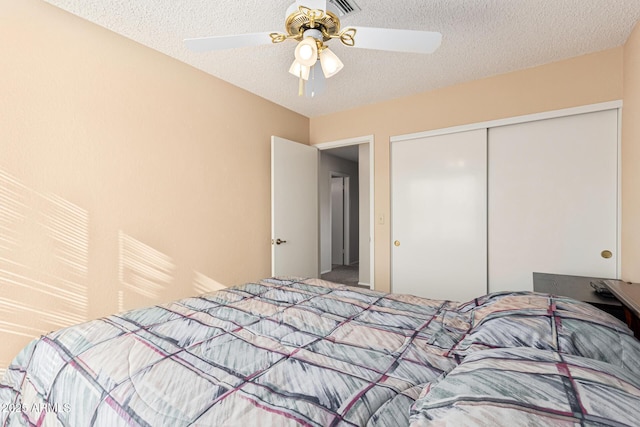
552 199
439 216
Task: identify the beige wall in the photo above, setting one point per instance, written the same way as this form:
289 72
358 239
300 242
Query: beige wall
578 81
631 160
126 177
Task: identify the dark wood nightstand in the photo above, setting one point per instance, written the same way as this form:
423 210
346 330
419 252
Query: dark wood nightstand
629 295
579 288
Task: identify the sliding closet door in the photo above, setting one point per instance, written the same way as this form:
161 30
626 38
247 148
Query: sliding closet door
553 199
439 216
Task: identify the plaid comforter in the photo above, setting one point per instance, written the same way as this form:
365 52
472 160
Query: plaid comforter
278 352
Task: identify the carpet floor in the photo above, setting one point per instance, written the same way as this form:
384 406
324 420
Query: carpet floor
347 274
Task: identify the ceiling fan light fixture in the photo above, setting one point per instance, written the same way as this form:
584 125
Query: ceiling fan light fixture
299 70
330 62
312 23
307 52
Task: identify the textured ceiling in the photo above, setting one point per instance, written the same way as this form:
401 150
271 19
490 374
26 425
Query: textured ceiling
480 38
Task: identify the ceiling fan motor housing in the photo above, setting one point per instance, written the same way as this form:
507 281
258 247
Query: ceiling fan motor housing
297 22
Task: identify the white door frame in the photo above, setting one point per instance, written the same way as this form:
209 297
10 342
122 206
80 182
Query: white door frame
610 105
368 139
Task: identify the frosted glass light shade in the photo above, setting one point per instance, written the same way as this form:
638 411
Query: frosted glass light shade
330 62
299 70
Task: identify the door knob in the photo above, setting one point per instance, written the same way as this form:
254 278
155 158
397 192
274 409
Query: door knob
280 241
606 254
397 243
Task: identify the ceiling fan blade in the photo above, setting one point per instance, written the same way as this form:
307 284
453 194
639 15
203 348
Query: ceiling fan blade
203 44
313 4
396 40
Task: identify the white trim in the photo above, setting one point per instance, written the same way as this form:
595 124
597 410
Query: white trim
619 201
611 105
273 210
344 142
367 139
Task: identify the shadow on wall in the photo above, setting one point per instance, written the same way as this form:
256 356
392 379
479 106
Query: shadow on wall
143 273
44 255
44 267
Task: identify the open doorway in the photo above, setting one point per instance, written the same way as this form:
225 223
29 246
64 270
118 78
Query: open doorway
343 225
344 211
340 220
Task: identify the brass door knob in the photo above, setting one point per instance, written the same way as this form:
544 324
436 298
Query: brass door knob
397 243
606 254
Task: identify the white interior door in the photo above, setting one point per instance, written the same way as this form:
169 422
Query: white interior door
553 199
294 209
439 216
337 220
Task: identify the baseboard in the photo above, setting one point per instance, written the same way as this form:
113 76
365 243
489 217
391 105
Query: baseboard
365 284
325 272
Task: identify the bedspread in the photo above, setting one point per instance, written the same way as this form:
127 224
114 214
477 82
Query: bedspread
308 352
277 352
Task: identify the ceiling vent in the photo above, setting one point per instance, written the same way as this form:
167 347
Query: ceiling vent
345 7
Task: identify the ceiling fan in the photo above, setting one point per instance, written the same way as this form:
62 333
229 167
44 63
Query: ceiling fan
312 23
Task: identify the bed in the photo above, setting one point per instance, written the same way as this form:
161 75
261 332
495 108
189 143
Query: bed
284 352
